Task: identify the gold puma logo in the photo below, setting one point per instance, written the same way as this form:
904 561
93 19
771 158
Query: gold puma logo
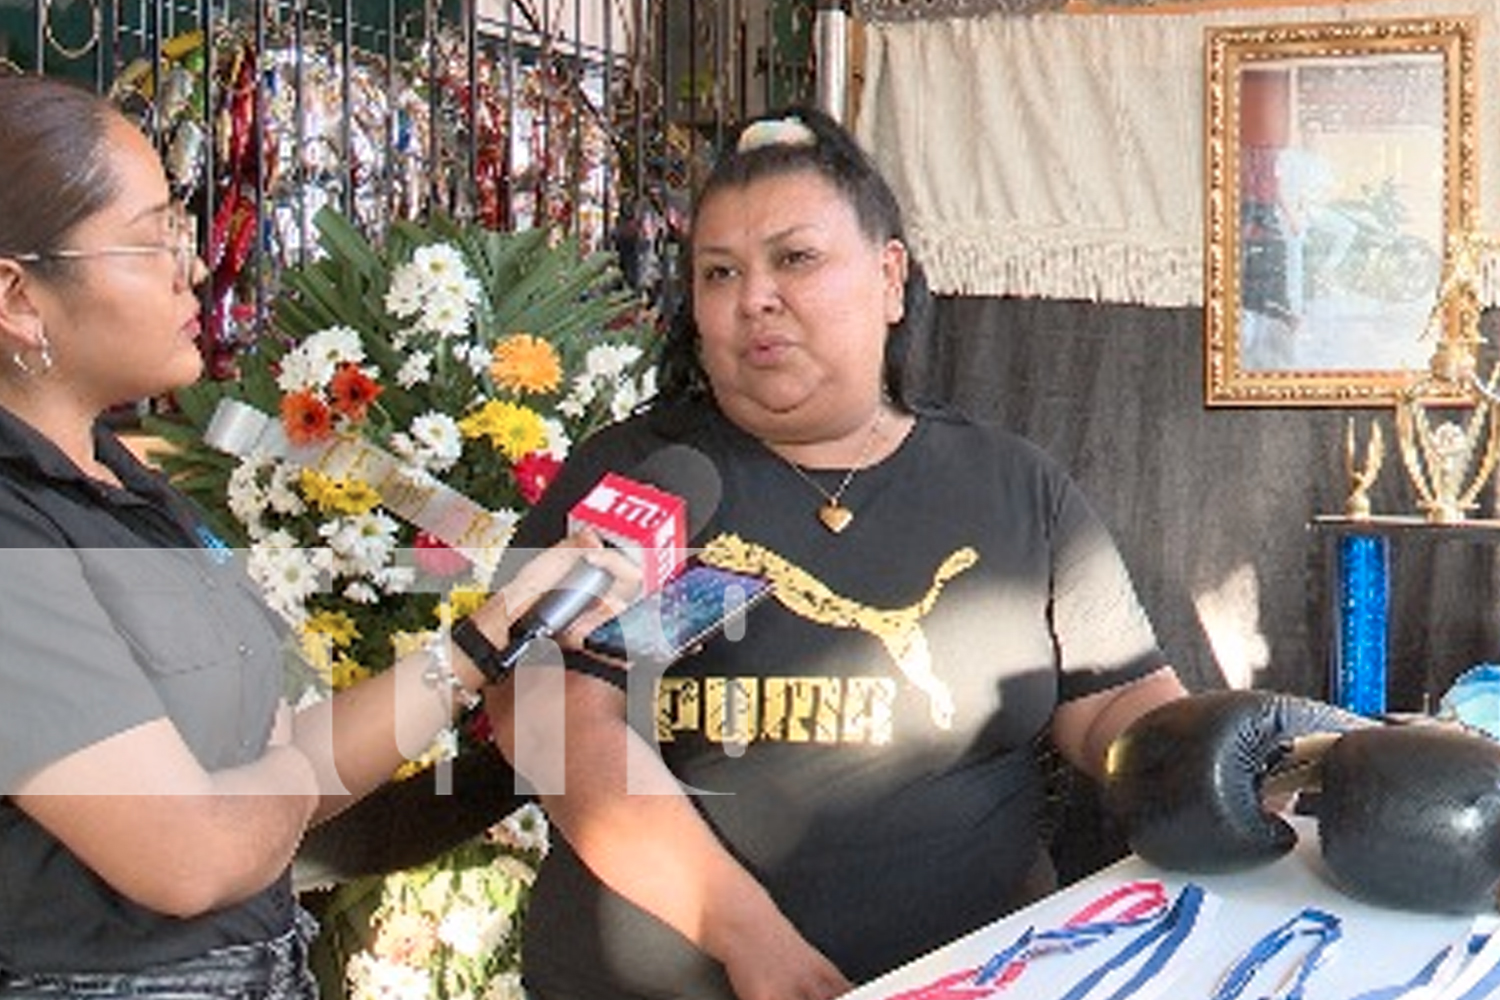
898 629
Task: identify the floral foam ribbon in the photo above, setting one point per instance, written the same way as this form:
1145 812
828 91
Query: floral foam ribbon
239 429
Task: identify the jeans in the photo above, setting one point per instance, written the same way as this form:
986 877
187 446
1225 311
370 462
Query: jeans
267 970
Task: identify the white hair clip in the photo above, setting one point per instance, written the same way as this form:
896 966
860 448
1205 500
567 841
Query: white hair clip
775 132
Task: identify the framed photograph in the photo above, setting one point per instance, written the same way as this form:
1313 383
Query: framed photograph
1339 159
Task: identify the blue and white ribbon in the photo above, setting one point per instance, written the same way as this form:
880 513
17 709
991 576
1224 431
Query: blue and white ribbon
1161 947
1139 906
1323 928
1480 975
1466 971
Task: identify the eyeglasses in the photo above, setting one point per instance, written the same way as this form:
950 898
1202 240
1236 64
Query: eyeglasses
183 248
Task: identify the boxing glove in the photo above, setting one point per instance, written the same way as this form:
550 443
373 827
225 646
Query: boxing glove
1409 817
1184 780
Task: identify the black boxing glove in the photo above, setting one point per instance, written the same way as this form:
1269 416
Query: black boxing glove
1184 779
1410 817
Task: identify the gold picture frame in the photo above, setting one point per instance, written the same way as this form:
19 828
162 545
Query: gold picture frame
1339 159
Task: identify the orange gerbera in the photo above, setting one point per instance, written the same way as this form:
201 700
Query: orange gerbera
306 418
522 363
353 391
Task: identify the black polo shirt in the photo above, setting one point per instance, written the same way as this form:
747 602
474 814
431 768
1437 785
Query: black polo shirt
117 607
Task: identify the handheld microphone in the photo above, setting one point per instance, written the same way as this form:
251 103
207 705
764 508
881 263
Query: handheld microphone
650 516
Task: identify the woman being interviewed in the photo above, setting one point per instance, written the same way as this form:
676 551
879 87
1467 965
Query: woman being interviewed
153 784
853 780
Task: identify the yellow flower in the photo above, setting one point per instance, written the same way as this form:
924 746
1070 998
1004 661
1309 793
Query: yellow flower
438 750
348 672
338 496
317 651
461 601
515 430
522 363
338 626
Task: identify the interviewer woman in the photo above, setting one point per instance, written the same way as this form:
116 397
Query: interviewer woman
153 784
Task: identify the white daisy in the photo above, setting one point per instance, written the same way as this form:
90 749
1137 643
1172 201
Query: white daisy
525 829
362 542
244 495
415 370
361 592
311 363
626 399
281 491
439 263
446 316
407 291
336 345
472 931
558 442
287 574
605 361
395 579
438 440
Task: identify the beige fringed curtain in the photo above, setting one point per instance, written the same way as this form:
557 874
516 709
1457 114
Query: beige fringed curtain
1061 155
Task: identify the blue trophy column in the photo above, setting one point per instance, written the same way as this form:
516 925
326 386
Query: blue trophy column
1362 611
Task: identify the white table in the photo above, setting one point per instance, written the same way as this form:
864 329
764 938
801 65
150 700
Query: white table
1379 947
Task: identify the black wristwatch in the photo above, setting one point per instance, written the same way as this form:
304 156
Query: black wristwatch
468 637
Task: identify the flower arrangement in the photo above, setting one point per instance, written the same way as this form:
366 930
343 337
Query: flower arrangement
470 359
447 928
466 361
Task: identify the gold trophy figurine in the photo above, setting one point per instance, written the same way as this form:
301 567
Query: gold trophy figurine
1450 460
1361 478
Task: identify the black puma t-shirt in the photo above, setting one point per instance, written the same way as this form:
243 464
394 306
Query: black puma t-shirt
866 745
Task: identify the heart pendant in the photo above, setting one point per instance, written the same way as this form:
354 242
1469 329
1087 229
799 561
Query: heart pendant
834 517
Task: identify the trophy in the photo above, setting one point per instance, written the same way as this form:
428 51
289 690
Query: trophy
1448 453
1362 477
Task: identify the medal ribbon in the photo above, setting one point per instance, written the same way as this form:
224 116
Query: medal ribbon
1458 972
1132 906
1481 974
1324 928
1167 935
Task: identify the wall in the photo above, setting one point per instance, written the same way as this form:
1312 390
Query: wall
1080 176
1211 507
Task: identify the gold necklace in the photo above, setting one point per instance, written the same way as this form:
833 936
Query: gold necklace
834 515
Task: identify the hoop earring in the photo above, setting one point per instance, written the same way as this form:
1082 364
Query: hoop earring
44 352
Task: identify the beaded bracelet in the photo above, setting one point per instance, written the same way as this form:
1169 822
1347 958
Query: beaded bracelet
439 675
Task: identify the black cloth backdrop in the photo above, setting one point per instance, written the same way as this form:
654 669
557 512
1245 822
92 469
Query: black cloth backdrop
1193 494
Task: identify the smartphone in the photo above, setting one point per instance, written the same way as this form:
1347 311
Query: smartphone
689 609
